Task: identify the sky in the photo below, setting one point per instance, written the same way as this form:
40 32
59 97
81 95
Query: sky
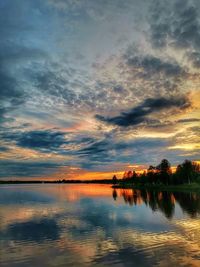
91 88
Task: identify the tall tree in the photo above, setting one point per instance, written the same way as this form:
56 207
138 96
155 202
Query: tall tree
114 179
164 169
188 170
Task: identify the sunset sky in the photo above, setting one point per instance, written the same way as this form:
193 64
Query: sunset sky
91 88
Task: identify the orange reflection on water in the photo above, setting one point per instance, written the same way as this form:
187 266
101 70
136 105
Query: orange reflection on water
131 196
73 192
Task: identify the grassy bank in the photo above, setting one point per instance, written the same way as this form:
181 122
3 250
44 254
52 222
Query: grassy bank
194 187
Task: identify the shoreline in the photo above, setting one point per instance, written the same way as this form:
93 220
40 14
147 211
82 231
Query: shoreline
194 187
58 182
169 188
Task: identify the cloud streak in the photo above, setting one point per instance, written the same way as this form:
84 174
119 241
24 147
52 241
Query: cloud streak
138 114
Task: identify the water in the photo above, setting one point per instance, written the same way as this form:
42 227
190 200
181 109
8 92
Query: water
94 225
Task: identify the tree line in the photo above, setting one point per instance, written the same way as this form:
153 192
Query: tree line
185 173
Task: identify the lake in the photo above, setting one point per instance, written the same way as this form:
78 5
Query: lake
94 225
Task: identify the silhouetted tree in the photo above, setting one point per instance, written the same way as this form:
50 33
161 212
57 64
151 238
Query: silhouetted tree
130 174
143 178
177 175
114 179
134 176
187 172
164 169
152 174
125 175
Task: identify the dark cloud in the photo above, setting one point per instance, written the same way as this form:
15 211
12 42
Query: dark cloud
194 58
3 115
177 24
41 139
10 94
95 148
153 65
156 75
95 154
64 85
14 53
52 83
3 149
188 120
24 169
109 150
195 130
8 86
186 30
118 89
17 54
139 113
46 140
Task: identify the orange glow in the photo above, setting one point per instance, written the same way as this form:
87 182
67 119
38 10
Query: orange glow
73 173
73 192
134 166
76 173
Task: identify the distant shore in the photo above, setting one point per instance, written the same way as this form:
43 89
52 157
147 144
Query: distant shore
194 187
105 181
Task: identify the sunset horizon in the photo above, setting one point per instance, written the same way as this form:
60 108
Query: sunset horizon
94 87
99 133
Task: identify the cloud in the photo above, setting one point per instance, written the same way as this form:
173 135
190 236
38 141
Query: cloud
95 148
139 113
10 95
47 141
188 120
110 149
43 140
58 63
153 65
13 168
176 24
3 149
16 54
194 58
95 154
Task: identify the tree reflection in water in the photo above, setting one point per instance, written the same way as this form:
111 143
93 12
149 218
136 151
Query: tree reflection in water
114 194
161 200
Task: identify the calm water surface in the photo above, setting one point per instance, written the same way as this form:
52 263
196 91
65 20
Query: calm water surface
94 225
